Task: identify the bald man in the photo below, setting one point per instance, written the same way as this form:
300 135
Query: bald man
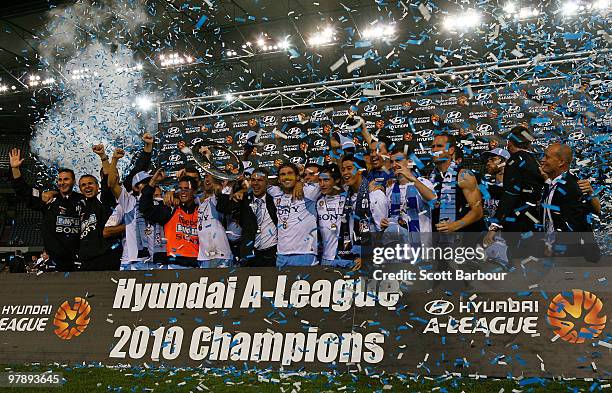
565 208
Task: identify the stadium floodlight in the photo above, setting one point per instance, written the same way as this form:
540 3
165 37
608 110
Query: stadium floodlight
322 37
229 97
463 21
143 103
174 59
34 80
3 88
570 8
379 32
526 13
510 8
284 44
601 4
261 41
215 93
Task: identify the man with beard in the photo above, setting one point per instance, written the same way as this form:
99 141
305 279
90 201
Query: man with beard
566 209
363 211
180 222
297 221
458 205
257 218
95 251
518 208
60 221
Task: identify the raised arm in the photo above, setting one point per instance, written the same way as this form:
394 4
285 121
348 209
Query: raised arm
143 161
106 195
24 191
113 174
158 213
15 161
425 192
469 187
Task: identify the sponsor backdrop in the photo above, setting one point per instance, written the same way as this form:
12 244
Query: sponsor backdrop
311 319
574 112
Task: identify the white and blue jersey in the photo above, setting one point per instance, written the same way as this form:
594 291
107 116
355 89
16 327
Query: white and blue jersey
297 220
213 242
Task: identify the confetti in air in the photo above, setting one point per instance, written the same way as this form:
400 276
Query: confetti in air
102 82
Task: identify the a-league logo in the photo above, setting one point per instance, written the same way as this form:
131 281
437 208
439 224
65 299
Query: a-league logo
71 321
576 315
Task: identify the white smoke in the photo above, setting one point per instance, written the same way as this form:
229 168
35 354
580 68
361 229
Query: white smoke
89 45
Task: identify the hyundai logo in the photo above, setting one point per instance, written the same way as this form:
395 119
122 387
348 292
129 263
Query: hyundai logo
573 104
397 120
295 131
424 102
195 141
268 119
320 142
295 160
483 96
174 131
542 90
242 138
513 109
425 133
439 307
269 147
370 108
318 114
453 115
174 157
484 128
220 124
576 135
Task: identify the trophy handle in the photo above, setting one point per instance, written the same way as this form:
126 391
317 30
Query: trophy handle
358 122
202 159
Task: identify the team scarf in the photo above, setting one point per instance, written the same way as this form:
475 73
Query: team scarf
362 218
446 191
412 211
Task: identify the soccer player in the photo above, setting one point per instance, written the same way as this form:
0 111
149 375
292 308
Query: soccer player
409 197
297 221
364 210
459 203
60 219
380 170
214 245
494 179
311 172
180 222
95 251
257 218
139 233
330 213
